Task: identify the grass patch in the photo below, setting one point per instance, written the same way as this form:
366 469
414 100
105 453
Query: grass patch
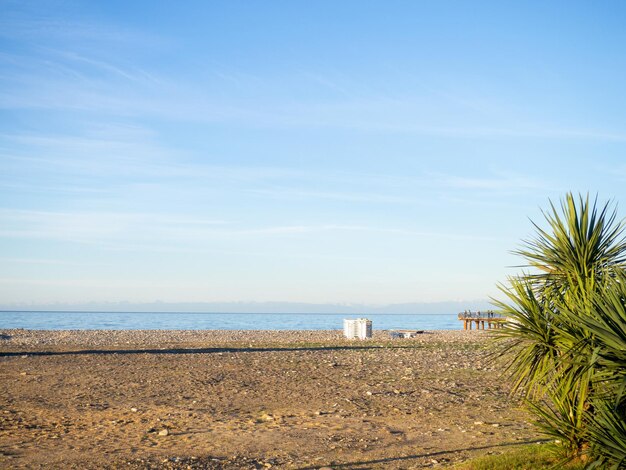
530 457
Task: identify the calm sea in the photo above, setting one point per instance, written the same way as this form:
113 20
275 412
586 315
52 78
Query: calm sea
215 321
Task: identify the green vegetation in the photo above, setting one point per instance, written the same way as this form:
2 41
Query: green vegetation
531 457
565 347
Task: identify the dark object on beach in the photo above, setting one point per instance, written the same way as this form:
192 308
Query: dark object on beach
405 333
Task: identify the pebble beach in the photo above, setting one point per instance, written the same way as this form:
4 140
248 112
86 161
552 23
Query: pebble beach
13 338
251 399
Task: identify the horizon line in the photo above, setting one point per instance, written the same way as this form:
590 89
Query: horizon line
217 313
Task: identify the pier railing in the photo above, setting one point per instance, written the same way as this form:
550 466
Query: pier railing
489 318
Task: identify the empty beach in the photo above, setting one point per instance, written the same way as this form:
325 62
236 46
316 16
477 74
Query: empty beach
251 399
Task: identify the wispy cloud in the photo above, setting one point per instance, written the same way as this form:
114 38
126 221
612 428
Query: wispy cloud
355 196
123 229
499 182
40 22
98 283
403 190
87 80
44 262
96 227
135 75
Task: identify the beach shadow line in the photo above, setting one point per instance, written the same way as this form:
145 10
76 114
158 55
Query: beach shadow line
223 350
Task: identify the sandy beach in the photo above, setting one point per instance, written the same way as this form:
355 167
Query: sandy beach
251 399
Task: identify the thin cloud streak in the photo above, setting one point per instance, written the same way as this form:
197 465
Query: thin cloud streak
167 98
106 66
99 228
497 183
337 196
47 262
197 108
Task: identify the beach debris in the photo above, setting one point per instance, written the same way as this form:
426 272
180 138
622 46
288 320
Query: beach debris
164 432
134 410
395 334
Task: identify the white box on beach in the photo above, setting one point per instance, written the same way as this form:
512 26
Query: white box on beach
360 328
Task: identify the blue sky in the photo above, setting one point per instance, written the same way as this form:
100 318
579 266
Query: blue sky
324 152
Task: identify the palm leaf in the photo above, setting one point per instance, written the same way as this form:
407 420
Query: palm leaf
565 344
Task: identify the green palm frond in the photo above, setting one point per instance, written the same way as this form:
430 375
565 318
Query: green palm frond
561 415
580 243
565 342
607 436
531 341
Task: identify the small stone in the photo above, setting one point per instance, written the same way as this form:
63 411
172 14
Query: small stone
164 432
134 410
495 425
368 393
478 423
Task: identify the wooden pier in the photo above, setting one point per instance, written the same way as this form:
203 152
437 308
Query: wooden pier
480 319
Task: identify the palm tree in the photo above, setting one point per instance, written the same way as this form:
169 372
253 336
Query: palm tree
565 342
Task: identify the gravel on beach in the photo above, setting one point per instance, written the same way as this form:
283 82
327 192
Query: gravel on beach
20 338
224 399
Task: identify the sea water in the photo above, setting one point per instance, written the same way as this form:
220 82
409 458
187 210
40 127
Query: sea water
216 321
